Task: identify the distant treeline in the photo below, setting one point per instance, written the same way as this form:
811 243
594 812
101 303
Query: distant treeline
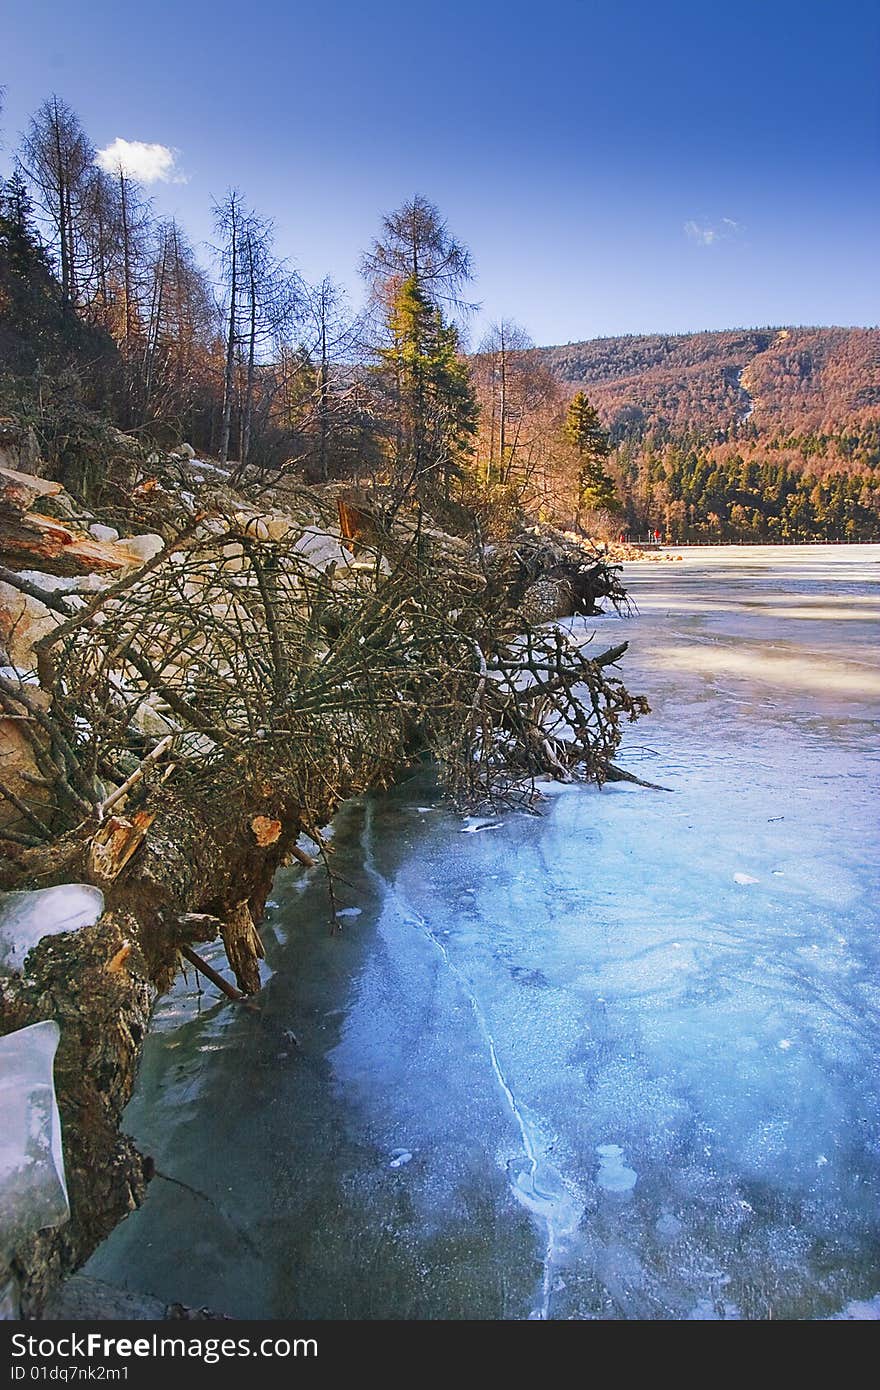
693 496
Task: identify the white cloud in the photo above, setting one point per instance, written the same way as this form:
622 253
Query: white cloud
707 233
140 160
703 235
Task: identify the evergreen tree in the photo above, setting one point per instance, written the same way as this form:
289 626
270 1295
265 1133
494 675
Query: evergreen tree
32 317
584 432
436 405
415 269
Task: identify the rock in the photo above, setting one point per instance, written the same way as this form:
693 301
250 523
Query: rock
23 621
233 557
140 549
321 548
19 448
253 525
103 533
149 723
279 528
18 765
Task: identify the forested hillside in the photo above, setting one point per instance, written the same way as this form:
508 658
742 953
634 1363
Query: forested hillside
797 380
756 434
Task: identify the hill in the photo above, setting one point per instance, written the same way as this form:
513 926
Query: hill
788 380
770 433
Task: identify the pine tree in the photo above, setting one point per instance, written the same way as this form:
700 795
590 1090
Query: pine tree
436 405
38 330
584 432
31 311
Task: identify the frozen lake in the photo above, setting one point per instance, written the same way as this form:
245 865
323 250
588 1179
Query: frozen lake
620 1061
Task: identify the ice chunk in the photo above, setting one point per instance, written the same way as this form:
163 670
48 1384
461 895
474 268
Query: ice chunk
33 1193
25 918
744 878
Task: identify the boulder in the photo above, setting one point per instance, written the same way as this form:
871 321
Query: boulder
19 448
23 621
103 533
137 550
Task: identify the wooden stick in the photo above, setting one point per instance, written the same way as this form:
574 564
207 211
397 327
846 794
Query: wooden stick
211 974
302 858
136 776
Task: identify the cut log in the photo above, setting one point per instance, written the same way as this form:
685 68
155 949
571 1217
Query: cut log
266 830
357 521
20 490
243 948
32 542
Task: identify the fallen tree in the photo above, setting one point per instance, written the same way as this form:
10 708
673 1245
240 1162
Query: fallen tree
191 719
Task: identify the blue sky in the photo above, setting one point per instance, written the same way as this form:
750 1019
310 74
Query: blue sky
617 167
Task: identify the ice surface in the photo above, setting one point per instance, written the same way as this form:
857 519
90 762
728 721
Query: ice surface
33 1194
25 918
585 998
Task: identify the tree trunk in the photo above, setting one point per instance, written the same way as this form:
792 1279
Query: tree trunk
229 379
